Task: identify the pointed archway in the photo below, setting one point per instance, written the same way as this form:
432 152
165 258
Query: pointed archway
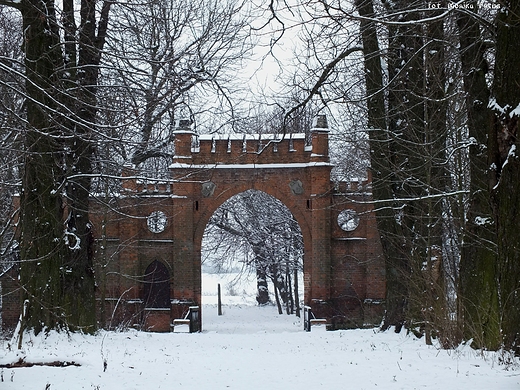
254 233
156 289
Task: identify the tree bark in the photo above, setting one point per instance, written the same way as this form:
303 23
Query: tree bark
380 156
41 215
407 135
296 293
56 249
407 142
262 291
478 293
506 191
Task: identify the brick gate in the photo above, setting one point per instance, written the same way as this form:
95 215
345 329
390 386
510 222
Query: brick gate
151 234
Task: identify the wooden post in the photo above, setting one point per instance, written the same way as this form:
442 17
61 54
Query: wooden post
219 301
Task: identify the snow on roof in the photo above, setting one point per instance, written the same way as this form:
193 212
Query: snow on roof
249 137
249 166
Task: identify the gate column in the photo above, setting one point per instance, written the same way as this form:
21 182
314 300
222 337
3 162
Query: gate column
321 248
187 280
320 204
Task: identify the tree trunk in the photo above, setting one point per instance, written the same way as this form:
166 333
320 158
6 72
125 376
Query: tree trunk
41 211
506 192
478 293
296 293
278 281
78 281
434 178
262 293
288 287
56 250
407 135
381 155
277 298
407 142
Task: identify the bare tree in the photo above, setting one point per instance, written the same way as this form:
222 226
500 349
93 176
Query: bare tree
92 102
11 83
489 266
174 60
61 74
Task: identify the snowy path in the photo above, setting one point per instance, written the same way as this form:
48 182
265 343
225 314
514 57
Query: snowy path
245 319
252 348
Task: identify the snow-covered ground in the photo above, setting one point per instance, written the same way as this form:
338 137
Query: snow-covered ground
251 347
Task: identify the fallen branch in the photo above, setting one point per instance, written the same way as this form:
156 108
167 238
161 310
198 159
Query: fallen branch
22 363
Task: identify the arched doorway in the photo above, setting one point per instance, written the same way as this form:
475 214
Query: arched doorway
295 170
254 244
156 289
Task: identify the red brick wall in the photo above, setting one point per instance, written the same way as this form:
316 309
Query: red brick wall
343 271
11 301
358 262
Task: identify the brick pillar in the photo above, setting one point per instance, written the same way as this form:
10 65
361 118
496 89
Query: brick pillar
182 142
129 182
321 235
183 252
320 139
321 203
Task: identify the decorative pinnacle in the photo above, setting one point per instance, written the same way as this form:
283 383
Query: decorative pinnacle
320 122
184 124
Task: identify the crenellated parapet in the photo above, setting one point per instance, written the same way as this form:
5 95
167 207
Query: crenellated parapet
233 149
132 183
361 185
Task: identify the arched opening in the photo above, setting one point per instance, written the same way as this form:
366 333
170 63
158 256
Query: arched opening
156 290
253 246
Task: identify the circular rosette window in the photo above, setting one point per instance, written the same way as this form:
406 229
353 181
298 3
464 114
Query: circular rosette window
348 220
157 221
